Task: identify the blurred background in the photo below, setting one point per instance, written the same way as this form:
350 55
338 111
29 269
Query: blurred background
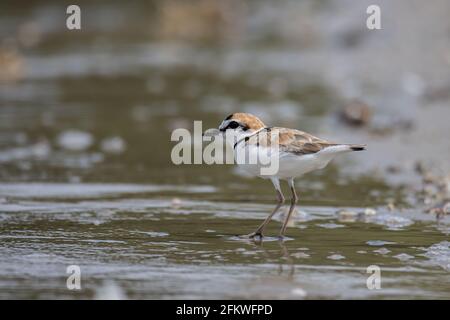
98 105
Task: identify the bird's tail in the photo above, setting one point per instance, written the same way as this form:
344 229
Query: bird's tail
342 148
357 147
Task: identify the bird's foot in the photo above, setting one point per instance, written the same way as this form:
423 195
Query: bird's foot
254 235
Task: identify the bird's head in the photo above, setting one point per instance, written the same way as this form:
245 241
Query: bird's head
241 124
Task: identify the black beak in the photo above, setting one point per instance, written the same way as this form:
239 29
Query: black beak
210 132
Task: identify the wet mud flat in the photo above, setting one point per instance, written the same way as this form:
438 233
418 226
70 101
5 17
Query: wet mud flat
132 246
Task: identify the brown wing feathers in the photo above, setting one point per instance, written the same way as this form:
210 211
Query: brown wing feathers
299 142
290 140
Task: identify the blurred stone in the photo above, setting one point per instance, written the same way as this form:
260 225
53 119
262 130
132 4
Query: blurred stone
75 140
114 145
347 214
435 190
299 292
39 150
403 257
12 65
300 255
356 113
175 203
370 212
110 290
382 251
336 257
419 167
393 169
352 38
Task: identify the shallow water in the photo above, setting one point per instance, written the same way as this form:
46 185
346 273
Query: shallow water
165 247
87 179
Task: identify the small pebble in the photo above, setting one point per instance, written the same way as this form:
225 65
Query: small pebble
370 212
114 145
336 257
403 257
299 292
377 243
382 251
110 290
347 214
176 203
330 225
75 140
356 113
300 255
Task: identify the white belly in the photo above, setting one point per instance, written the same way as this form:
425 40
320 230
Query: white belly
289 165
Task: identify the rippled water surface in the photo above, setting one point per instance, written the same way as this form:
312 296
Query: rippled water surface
85 171
130 242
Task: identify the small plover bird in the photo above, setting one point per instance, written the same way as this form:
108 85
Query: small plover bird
297 153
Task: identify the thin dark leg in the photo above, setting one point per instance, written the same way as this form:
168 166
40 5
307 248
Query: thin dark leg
280 201
294 201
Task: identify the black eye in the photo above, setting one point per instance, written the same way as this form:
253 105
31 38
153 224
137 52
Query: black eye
233 125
